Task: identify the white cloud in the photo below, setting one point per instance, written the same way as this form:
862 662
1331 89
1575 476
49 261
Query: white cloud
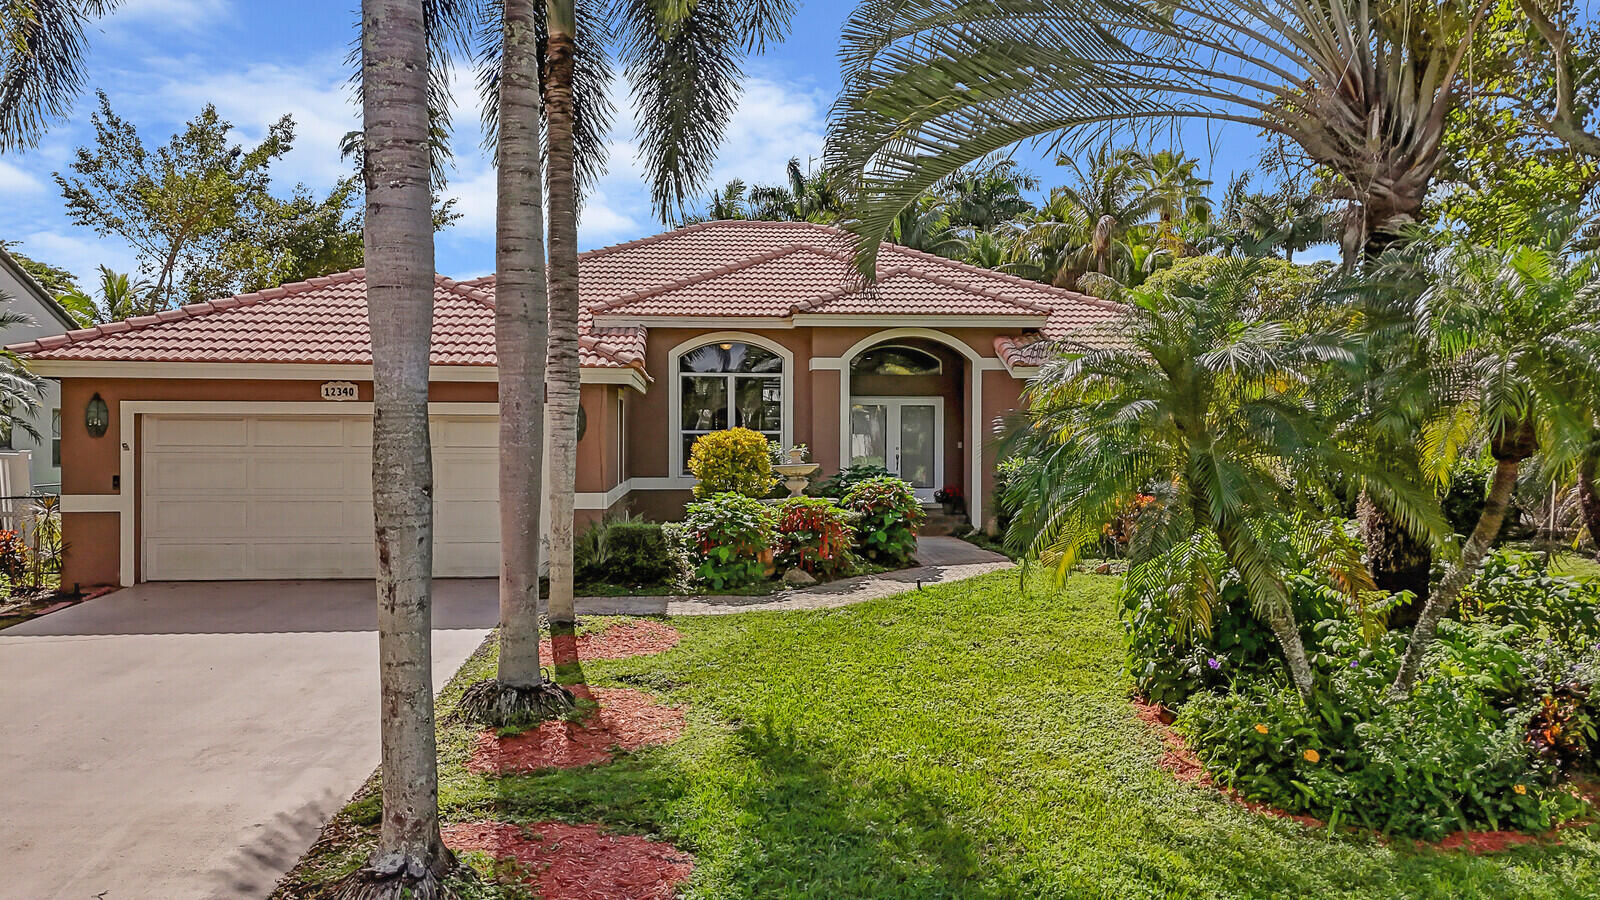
184 15
80 253
14 180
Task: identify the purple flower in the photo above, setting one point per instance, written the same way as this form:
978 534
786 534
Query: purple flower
1212 662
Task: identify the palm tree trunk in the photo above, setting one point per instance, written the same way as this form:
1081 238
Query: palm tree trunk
563 374
1589 495
1397 559
520 336
410 859
1450 587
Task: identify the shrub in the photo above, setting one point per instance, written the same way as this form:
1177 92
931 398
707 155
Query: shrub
835 486
625 552
888 514
736 460
1516 588
731 535
14 559
815 534
1447 759
1009 472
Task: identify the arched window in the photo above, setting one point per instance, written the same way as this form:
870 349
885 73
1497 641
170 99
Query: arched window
729 384
894 359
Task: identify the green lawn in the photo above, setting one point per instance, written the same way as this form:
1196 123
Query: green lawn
968 741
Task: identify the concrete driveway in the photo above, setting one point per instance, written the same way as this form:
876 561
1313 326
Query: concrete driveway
189 740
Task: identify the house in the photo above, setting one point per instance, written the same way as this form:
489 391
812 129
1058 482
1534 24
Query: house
45 318
230 439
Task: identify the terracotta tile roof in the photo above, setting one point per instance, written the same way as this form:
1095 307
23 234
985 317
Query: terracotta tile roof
740 269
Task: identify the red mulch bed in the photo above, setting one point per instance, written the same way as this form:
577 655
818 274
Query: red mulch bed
641 637
626 720
579 862
1181 762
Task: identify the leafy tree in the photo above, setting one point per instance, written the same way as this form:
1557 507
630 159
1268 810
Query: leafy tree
278 241
1086 227
20 389
987 194
180 206
55 280
41 64
1514 327
1208 406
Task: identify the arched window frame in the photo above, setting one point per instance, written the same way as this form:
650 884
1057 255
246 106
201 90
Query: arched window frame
679 460
938 362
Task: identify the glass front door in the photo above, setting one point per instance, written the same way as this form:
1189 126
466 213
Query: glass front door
904 435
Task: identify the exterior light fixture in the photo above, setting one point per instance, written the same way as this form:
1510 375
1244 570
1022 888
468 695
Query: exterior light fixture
726 346
96 417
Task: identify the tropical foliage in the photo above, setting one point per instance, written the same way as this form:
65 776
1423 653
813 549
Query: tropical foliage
734 459
731 536
887 516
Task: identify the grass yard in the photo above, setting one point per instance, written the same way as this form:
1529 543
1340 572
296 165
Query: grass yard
972 740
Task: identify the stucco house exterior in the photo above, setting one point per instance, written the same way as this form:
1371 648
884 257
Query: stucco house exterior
236 432
46 318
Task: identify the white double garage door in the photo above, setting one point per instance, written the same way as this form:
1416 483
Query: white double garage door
281 497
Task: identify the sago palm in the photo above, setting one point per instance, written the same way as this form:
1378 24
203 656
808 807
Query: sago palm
1517 330
1209 407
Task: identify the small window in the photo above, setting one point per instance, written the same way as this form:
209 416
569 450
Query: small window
896 360
55 438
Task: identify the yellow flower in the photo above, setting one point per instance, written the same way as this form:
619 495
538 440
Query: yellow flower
1312 756
1261 728
1520 788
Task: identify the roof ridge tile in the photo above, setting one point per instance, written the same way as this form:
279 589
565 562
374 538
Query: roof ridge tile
699 277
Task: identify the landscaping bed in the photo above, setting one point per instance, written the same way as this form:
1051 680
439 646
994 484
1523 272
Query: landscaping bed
970 740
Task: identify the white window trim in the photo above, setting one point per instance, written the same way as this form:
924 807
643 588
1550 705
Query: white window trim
675 461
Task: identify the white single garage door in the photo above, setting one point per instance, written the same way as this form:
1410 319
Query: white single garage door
290 497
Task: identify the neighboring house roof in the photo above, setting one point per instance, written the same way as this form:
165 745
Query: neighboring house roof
32 285
782 271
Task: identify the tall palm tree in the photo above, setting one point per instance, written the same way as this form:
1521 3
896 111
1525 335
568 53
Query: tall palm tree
1177 192
1515 326
1364 89
519 692
1208 405
41 64
121 297
1084 227
1287 219
983 196
809 196
683 62
410 859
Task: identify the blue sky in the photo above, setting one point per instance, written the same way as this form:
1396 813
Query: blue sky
160 61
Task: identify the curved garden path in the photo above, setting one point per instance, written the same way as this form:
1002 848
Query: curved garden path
942 559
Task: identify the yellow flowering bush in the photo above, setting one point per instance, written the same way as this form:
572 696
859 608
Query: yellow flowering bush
733 461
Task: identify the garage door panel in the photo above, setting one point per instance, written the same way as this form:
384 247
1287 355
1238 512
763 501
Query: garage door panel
200 472
346 475
275 497
190 432
195 518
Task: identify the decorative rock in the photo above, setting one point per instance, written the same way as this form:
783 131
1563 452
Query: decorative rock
798 578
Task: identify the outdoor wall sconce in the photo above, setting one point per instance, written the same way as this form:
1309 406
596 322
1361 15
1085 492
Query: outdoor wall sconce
96 417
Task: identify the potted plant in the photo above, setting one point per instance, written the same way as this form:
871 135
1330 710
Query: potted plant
949 497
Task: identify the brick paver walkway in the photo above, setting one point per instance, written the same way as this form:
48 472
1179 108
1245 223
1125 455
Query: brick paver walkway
943 559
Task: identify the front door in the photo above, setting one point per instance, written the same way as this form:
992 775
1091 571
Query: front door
904 435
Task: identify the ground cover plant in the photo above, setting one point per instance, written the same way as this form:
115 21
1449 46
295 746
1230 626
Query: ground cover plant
841 753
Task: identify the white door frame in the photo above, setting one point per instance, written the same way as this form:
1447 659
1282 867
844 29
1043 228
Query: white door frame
893 406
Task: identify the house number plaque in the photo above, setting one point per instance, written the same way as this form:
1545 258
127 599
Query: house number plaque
338 390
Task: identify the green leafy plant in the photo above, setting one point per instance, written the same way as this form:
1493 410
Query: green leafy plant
736 460
816 535
835 486
15 560
888 513
731 538
624 552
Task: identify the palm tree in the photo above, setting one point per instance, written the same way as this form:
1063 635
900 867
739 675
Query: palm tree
1514 325
519 692
41 64
925 225
1208 406
410 859
810 196
1588 489
729 201
1288 219
683 63
1085 227
983 196
1364 89
121 297
20 389
1178 194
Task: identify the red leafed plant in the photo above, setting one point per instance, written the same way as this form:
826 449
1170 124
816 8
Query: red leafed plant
815 535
